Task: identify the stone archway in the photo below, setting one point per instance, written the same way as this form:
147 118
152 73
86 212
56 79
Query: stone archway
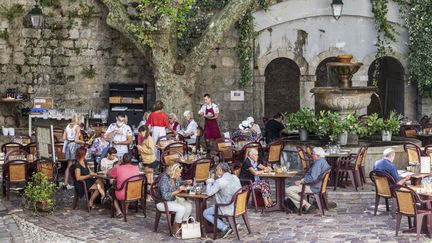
282 87
390 84
324 78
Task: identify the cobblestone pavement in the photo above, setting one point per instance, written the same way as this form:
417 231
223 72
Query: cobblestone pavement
351 221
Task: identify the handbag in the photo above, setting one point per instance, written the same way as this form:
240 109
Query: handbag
191 230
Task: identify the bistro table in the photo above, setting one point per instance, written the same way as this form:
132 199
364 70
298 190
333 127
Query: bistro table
427 224
200 205
333 159
280 189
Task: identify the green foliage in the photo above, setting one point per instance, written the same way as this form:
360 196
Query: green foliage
39 190
419 22
375 124
302 119
244 49
10 13
50 3
328 124
392 123
84 12
89 72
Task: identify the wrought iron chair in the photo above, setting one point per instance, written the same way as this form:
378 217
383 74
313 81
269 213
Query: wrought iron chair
383 187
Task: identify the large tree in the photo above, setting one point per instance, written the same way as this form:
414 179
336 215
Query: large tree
175 89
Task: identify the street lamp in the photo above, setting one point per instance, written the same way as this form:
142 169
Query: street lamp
337 6
36 16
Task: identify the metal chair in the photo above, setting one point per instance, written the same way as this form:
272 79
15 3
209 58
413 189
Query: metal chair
274 151
14 172
304 159
200 170
7 147
47 167
169 214
414 152
86 190
321 197
224 149
383 187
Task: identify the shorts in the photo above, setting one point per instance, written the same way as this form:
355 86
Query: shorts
70 150
151 165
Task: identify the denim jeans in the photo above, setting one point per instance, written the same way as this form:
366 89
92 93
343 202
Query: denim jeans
209 216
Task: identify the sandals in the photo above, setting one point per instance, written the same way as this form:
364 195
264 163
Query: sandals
120 215
105 199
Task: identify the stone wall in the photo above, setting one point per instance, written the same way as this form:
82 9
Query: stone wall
50 61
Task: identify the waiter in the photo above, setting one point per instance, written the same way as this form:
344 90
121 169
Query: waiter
210 112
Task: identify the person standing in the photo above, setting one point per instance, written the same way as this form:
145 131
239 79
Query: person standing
274 128
147 152
120 134
210 111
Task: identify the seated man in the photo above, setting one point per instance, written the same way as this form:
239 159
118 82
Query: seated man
386 164
223 188
313 175
191 127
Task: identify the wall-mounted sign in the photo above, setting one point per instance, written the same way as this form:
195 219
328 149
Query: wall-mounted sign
237 95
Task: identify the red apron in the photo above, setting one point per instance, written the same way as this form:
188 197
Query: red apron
211 128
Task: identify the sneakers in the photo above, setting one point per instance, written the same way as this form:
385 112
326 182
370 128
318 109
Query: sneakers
69 187
223 234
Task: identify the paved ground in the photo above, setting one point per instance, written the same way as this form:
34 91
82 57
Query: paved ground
351 221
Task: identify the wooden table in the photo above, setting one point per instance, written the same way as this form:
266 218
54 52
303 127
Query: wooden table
200 205
417 178
333 159
280 189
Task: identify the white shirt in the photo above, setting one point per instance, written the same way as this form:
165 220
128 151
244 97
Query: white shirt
71 132
191 130
107 164
205 107
257 129
124 132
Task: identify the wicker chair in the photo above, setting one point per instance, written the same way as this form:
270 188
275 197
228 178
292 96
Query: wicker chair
409 204
414 152
362 165
8 147
274 150
350 166
304 159
242 155
47 168
58 134
31 148
240 209
135 191
224 149
383 187
14 172
168 158
177 147
199 170
321 197
17 154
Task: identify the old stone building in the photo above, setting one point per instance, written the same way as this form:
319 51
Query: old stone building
295 39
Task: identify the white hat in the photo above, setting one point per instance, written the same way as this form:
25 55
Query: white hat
250 119
244 125
186 113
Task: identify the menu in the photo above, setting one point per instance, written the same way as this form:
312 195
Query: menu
44 142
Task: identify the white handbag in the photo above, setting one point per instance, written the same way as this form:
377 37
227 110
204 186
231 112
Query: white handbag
191 230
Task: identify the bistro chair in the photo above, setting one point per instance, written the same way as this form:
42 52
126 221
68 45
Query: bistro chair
58 134
304 159
136 191
199 136
427 150
321 197
61 157
31 148
7 147
350 166
200 170
410 132
22 139
246 148
169 214
257 199
86 190
414 152
383 187
46 167
274 151
239 200
362 165
178 147
409 204
308 150
168 158
18 154
14 172
224 149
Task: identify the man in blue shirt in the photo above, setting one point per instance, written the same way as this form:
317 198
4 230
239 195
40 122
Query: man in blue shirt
386 165
312 178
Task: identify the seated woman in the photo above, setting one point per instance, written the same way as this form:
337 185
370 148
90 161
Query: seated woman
254 126
122 172
191 128
99 148
109 161
84 174
172 118
245 133
169 186
251 169
146 150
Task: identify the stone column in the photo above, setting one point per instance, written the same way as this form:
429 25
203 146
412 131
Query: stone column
307 82
258 96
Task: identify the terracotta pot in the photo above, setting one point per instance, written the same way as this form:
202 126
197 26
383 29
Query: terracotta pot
346 58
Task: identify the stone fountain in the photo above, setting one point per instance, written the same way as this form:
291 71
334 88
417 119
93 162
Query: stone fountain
344 99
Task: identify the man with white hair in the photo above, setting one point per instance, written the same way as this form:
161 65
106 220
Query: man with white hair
386 165
191 128
312 178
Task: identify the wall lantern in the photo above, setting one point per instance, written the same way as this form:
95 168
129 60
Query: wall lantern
36 16
337 6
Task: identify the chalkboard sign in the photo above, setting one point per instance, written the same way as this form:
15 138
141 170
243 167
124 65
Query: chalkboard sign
45 142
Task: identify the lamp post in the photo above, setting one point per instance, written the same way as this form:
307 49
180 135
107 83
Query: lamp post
36 16
337 6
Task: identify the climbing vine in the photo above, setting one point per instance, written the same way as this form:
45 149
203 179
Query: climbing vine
10 13
244 49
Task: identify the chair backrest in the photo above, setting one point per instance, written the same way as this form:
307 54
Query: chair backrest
274 152
302 156
134 187
359 157
16 170
427 150
7 147
58 146
58 134
46 167
199 135
224 146
22 139
154 189
324 181
240 201
168 158
202 169
383 183
248 147
17 154
410 132
414 152
178 147
406 200
308 150
363 160
31 148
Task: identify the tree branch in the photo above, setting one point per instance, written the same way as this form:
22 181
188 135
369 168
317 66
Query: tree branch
118 19
220 24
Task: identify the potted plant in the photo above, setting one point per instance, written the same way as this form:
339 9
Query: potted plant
39 193
329 125
374 124
304 121
390 126
347 125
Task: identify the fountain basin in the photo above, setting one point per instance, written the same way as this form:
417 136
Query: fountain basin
344 100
